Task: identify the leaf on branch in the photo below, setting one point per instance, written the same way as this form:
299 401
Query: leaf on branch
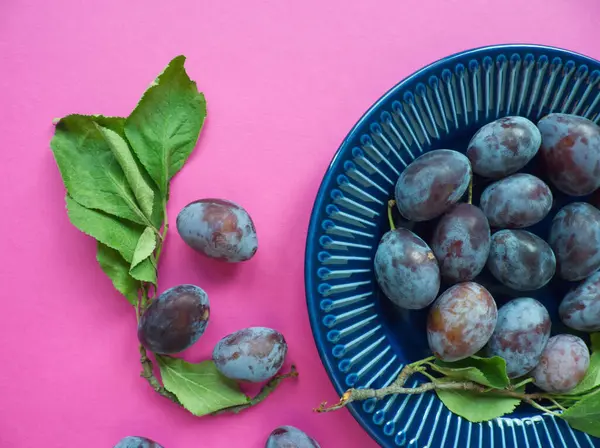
200 388
585 415
477 407
117 269
486 371
90 171
145 247
164 127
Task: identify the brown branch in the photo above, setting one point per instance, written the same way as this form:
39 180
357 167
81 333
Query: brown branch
148 373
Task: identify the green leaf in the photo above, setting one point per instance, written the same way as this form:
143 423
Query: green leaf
486 371
585 415
164 127
140 188
200 388
145 246
117 234
477 407
90 171
117 269
591 380
145 271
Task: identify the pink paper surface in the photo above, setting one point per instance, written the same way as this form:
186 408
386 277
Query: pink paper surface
285 81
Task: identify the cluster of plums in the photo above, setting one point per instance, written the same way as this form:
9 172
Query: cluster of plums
464 319
281 437
176 319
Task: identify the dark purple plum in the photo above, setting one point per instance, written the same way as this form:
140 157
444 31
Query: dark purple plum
175 320
136 442
407 270
219 229
461 321
461 243
432 184
290 437
580 309
563 364
571 153
521 334
253 354
503 147
575 239
520 200
521 260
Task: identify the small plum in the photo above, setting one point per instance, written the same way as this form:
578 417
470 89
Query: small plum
253 354
580 309
175 320
218 229
563 364
290 437
136 442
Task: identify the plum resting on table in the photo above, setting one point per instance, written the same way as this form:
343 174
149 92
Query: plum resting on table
406 269
461 321
520 200
290 437
461 243
503 147
136 442
563 364
253 354
219 229
175 320
521 334
575 239
571 152
432 184
580 308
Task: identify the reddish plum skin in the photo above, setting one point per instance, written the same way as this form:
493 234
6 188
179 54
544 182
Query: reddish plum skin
461 321
575 239
563 364
461 243
218 229
521 260
521 334
290 437
432 184
175 320
571 153
253 354
503 147
520 200
406 269
136 442
580 309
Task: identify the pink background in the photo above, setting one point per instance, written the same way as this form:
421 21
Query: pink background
285 81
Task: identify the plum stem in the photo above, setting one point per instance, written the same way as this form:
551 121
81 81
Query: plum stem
148 373
397 387
267 389
391 204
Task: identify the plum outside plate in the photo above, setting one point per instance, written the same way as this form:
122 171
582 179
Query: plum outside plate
363 340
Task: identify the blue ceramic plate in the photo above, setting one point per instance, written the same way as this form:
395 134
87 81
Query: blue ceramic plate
362 339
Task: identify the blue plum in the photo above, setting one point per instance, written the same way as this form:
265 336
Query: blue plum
571 153
461 243
580 308
175 320
575 239
407 270
520 200
218 229
521 334
253 354
503 147
432 184
563 364
290 437
521 260
461 321
136 442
